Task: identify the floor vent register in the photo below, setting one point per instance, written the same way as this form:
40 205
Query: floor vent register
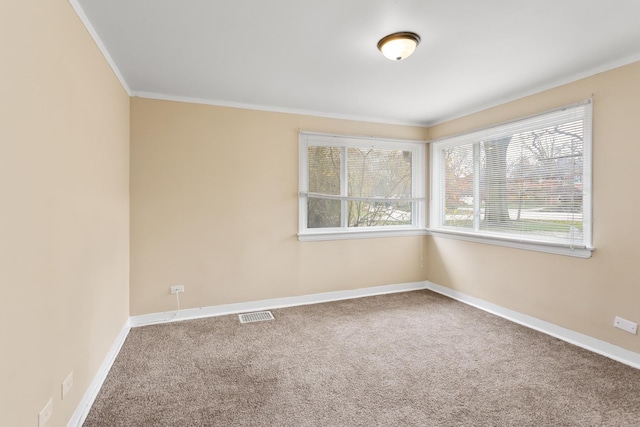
257 316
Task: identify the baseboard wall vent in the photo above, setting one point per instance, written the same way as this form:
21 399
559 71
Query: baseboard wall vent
257 316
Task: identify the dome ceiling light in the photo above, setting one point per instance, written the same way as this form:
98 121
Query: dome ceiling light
398 46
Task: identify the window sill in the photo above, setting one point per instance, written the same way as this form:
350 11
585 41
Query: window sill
550 248
310 236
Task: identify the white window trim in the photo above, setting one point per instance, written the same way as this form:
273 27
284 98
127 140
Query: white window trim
339 233
360 234
516 244
584 251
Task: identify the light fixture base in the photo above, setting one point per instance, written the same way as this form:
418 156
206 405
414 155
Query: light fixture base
398 46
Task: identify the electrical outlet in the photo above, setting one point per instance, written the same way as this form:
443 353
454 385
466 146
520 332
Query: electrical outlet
66 384
625 325
45 414
177 289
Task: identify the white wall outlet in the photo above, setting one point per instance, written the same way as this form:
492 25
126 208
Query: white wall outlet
177 289
45 414
66 384
625 325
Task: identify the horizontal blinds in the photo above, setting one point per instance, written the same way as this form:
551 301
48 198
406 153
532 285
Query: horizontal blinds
360 199
374 170
528 179
505 130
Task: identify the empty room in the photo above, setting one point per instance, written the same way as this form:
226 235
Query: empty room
319 213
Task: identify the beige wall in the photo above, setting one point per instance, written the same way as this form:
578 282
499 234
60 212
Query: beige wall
582 295
214 207
64 215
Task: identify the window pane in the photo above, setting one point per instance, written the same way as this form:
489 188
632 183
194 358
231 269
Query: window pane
324 170
323 213
377 214
531 183
458 181
493 183
379 174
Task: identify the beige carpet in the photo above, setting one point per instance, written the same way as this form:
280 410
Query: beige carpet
408 359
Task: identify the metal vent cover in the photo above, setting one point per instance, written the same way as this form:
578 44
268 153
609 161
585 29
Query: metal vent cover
257 316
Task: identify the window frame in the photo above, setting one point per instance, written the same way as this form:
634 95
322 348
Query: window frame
418 187
438 194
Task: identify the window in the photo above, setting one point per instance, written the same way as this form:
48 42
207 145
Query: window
360 187
525 183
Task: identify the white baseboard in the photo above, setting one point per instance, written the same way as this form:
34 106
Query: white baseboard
221 310
85 404
589 343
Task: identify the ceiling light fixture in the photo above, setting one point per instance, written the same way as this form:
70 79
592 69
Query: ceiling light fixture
398 46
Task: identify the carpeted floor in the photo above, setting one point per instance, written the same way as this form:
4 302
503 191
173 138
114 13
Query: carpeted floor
407 359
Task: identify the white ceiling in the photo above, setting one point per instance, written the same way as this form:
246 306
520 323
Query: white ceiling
320 56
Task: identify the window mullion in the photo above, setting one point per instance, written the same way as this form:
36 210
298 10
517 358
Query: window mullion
415 193
587 170
344 188
476 186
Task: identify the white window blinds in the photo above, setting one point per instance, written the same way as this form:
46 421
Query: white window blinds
527 180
